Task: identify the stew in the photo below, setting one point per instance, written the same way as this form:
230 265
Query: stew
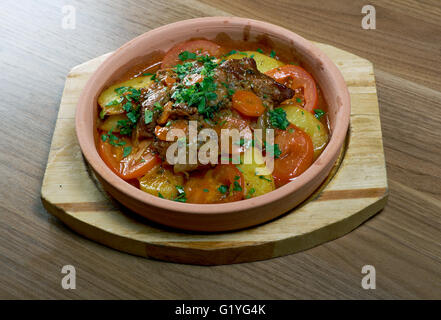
212 124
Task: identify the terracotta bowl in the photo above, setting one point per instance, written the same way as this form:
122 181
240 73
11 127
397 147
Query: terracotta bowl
233 215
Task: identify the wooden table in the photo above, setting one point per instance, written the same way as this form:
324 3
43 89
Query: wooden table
402 242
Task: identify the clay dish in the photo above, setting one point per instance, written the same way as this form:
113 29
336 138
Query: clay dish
233 215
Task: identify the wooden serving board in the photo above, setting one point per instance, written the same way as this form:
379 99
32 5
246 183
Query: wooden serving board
355 190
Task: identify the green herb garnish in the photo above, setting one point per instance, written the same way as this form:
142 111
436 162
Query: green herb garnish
223 189
133 116
236 186
127 106
181 197
157 106
264 178
185 55
250 193
148 116
127 151
112 103
318 113
278 119
273 150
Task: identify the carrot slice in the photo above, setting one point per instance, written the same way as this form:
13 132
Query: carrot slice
247 103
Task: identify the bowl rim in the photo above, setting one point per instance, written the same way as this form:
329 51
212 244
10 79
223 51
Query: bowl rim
331 151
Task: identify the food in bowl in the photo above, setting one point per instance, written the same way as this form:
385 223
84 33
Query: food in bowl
200 86
131 60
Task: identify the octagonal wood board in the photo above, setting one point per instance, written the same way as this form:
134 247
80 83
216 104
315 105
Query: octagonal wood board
355 190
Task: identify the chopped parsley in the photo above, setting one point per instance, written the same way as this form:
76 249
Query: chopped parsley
183 70
129 93
112 103
205 190
272 54
185 55
318 113
125 127
250 193
160 195
236 186
127 106
131 107
157 106
133 116
223 189
278 119
127 151
264 178
259 50
198 95
273 150
299 100
148 116
181 197
113 140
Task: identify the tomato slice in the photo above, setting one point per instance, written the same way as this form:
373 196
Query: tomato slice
296 77
247 103
200 47
297 154
225 183
136 164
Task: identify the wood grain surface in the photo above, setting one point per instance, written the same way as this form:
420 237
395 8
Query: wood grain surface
403 242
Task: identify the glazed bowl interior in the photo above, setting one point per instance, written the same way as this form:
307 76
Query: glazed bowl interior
161 39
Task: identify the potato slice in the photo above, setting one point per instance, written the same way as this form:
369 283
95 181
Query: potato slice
308 122
161 182
108 98
111 123
263 62
257 182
